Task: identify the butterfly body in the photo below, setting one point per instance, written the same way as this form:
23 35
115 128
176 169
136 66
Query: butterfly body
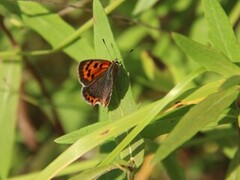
97 77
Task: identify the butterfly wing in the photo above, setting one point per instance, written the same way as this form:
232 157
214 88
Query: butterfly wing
89 70
100 90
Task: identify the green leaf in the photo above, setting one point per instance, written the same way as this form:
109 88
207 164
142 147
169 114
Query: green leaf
122 99
204 91
165 122
95 173
122 102
208 58
197 118
173 168
230 82
10 77
234 167
53 29
72 137
88 142
220 134
147 114
73 168
140 117
220 31
101 31
234 14
94 139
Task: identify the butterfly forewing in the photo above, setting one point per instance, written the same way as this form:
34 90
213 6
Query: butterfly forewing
89 70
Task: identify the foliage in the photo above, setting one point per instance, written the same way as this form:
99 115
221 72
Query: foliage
174 108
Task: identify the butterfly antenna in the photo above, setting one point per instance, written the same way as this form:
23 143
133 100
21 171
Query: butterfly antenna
127 54
115 54
107 48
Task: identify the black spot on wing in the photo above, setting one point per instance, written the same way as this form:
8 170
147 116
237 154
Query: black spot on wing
87 67
95 65
89 72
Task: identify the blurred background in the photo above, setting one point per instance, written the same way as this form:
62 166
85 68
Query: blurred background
51 104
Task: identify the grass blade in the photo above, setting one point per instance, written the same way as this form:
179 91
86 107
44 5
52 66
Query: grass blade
197 118
140 117
10 77
122 102
147 114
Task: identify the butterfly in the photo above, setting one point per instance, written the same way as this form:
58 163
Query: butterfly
97 78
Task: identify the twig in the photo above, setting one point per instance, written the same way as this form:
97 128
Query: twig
8 34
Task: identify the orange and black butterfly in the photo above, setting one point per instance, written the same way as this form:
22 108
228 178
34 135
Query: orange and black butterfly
97 78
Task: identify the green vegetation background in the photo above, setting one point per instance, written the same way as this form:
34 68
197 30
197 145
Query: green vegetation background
174 109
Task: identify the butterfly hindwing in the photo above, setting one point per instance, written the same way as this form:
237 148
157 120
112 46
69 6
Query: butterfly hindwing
100 91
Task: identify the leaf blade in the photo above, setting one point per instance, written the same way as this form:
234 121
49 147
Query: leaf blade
10 75
221 33
107 50
150 111
203 113
93 139
208 58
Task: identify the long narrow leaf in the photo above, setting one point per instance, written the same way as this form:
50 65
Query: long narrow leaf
150 112
95 173
41 20
220 30
140 117
62 36
234 167
10 78
122 102
197 118
208 58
